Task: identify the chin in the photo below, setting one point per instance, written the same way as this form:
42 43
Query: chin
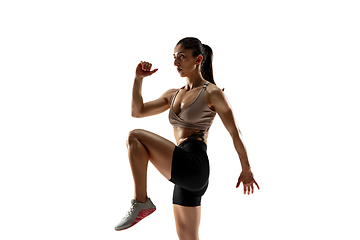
182 75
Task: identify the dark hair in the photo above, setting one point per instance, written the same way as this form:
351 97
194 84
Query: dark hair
203 49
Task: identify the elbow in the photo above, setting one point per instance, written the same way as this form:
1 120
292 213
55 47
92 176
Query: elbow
136 111
135 114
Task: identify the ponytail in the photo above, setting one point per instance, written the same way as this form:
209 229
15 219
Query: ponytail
206 64
203 49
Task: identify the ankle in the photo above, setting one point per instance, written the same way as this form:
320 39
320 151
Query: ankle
141 199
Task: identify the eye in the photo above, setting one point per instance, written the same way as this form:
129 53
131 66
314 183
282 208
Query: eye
181 57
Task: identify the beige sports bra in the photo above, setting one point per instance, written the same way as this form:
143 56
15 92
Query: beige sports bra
197 115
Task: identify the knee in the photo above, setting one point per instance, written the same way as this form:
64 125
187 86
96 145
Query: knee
133 136
187 237
185 234
134 133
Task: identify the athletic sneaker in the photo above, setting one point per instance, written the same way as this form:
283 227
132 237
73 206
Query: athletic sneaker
137 212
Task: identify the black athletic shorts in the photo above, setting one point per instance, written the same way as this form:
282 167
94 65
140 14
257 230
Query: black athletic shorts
190 173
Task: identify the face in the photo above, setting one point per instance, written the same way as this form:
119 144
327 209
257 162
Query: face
185 62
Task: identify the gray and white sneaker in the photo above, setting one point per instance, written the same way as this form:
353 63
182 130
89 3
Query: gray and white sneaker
137 212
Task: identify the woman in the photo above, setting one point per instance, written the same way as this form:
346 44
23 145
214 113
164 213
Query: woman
192 110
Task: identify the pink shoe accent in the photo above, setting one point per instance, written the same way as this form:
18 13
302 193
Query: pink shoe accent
143 214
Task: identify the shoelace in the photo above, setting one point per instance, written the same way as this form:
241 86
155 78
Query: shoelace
131 210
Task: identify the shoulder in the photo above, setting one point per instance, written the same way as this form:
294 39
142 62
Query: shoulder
213 92
169 93
214 97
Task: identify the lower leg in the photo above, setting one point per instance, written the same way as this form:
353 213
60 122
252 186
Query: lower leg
139 158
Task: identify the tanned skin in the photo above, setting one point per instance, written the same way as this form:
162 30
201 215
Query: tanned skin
144 146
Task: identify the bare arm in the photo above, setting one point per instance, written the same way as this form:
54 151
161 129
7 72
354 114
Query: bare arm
222 107
138 107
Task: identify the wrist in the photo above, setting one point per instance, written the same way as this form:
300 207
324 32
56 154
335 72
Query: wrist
245 165
246 169
138 78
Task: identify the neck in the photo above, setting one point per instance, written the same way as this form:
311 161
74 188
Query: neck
194 80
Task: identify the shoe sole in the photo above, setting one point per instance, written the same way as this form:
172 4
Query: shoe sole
142 214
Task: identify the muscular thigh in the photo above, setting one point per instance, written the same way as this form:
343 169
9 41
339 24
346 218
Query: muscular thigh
160 150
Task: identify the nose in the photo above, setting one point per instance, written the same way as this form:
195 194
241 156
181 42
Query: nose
176 63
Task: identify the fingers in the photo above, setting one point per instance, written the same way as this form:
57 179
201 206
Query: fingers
238 183
153 71
145 66
249 187
256 184
144 69
246 187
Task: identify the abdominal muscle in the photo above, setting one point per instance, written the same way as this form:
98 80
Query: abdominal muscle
184 134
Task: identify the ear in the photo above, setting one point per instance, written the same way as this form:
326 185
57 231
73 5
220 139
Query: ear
199 59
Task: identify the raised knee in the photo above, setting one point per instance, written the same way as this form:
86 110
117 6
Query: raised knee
134 133
133 136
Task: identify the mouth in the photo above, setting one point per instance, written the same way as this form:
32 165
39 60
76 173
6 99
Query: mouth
179 69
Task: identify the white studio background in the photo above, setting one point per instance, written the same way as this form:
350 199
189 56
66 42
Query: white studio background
290 70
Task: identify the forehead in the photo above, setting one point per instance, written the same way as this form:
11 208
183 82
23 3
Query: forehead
179 49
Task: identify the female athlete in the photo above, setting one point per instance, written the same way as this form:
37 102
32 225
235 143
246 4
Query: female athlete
192 111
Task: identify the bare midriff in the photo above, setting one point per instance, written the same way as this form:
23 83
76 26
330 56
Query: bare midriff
185 134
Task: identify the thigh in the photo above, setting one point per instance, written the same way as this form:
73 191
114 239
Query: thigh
184 197
160 150
190 170
187 221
